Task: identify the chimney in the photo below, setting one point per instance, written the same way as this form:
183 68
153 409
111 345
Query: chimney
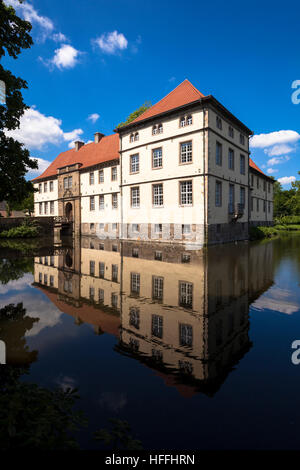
98 137
78 145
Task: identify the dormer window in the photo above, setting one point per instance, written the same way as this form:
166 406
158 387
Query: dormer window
219 122
186 120
136 136
160 128
154 130
131 139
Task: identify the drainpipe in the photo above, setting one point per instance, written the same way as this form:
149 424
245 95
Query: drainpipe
204 184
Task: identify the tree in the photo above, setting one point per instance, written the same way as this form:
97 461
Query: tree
26 205
135 114
15 160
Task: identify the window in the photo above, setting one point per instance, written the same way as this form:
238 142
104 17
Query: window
218 194
186 155
40 278
101 176
101 226
242 164
114 226
189 120
114 247
51 207
257 182
252 181
185 335
157 326
51 186
134 317
231 198
269 206
158 197
51 260
186 192
185 229
45 187
157 158
114 173
185 258
182 121
158 228
114 200
92 226
101 270
134 163
135 197
160 128
45 279
68 182
101 295
92 268
114 300
131 139
218 154
92 203
218 122
186 294
101 245
46 207
269 188
264 206
40 187
135 252
158 255
231 159
252 203
136 136
265 185
92 178
135 227
242 196
135 283
101 201
114 272
40 208
230 131
157 288
92 293
257 204
46 261
242 139
154 130
51 281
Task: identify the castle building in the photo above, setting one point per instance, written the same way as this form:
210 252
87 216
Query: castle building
180 172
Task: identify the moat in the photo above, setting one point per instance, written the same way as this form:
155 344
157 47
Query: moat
191 348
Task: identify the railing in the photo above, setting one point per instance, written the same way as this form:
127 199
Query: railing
61 219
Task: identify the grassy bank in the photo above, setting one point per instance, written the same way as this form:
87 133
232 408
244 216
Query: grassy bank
258 233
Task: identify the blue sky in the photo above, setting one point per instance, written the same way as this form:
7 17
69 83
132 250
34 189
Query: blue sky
106 58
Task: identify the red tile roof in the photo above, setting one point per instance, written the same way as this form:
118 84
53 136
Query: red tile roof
255 167
183 94
88 155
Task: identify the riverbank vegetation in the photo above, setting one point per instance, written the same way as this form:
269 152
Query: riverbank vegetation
28 229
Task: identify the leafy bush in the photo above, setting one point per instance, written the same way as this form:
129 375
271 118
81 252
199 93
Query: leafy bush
26 230
258 233
287 220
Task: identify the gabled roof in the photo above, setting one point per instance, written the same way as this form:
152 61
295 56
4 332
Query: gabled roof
88 155
184 93
255 167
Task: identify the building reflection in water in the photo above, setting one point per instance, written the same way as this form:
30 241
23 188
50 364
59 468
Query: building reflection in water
184 314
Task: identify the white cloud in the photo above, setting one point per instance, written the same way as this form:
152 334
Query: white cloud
279 150
66 57
278 160
36 130
29 13
59 37
286 179
42 166
93 117
278 300
271 171
274 138
111 43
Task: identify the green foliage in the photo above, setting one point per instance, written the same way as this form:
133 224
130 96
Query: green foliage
135 114
14 269
287 220
287 202
26 205
28 229
118 437
258 233
14 159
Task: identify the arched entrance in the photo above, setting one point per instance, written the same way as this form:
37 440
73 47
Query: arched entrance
69 212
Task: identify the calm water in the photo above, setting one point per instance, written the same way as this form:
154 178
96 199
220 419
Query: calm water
192 348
